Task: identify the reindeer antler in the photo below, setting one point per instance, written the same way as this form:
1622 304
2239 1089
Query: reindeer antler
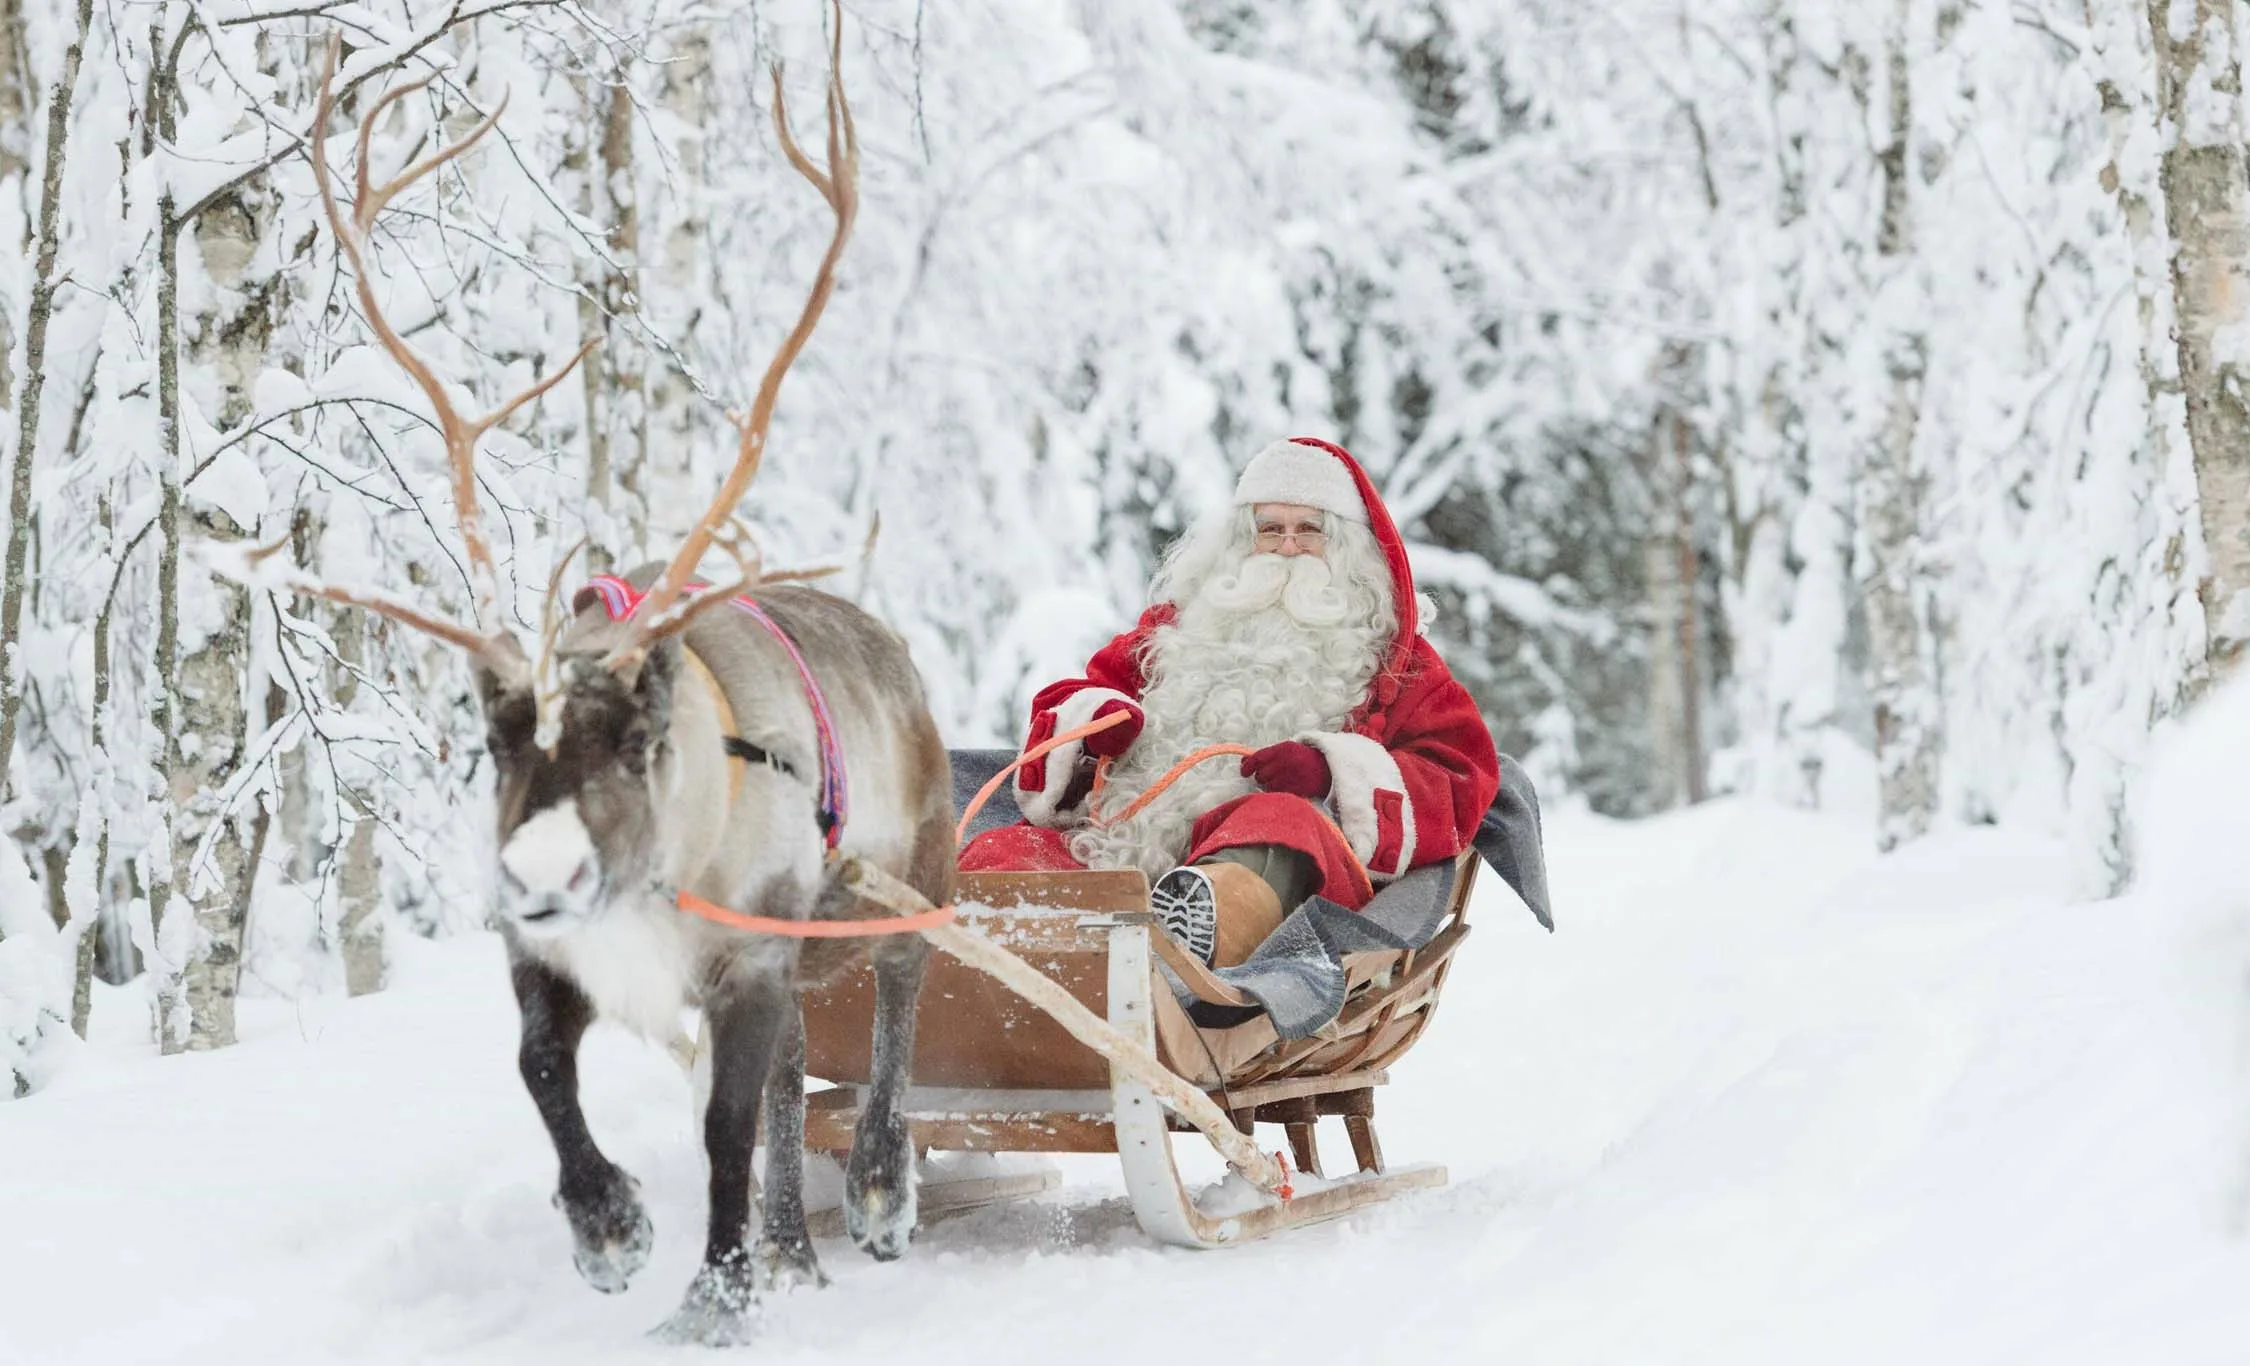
662 612
489 639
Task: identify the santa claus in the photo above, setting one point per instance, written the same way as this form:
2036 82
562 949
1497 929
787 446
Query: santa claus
1287 624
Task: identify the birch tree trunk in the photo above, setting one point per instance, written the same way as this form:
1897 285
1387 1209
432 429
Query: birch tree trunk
2123 80
298 800
175 936
2198 97
55 862
104 775
229 340
1675 667
1793 536
34 380
675 410
15 115
173 940
16 108
623 354
2119 53
616 400
1907 717
359 886
1660 566
17 105
358 877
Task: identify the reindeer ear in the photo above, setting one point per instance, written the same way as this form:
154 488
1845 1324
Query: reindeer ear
491 684
509 714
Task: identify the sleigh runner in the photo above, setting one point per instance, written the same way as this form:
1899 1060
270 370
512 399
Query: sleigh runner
995 1073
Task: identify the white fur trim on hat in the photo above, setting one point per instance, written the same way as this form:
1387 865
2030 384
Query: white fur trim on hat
1291 472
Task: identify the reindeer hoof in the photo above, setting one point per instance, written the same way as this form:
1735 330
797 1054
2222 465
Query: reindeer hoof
612 1233
790 1266
720 1308
879 1209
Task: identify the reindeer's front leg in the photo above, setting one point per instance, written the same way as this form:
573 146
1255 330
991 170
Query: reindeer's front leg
748 1012
879 1205
611 1232
785 1247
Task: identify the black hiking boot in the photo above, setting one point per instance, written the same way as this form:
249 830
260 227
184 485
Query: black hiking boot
1185 902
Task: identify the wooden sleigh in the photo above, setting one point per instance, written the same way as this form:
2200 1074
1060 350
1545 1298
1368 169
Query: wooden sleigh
995 1074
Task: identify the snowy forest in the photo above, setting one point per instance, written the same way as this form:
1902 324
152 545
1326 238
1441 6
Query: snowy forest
1835 403
1833 409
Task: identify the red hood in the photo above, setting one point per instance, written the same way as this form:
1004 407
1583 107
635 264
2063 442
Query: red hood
1394 555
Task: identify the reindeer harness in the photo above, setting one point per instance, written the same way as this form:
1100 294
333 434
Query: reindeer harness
620 599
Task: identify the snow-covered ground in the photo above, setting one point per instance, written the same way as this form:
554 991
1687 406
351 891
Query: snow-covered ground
1764 1098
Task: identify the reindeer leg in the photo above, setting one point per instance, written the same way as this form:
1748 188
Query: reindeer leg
879 1204
611 1231
748 1012
785 1249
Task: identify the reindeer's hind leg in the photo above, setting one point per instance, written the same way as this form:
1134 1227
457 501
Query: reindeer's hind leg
603 1204
785 1247
879 1199
879 1205
748 1013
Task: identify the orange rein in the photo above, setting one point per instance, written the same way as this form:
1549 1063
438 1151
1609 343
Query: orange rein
1155 789
814 929
856 929
1038 751
1101 774
1170 776
906 924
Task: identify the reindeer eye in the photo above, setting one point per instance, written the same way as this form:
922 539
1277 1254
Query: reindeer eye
633 749
585 873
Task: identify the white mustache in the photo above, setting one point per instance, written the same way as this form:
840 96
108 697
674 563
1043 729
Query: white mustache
1300 585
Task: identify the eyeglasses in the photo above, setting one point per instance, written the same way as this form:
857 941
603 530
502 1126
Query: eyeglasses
1271 538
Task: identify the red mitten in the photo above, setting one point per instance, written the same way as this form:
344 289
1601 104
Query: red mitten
1108 744
1291 766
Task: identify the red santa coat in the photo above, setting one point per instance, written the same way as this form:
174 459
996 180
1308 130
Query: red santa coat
1413 771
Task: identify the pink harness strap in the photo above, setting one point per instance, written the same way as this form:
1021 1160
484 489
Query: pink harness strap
620 599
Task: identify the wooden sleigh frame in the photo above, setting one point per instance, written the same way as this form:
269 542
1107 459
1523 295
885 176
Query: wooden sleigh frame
994 1073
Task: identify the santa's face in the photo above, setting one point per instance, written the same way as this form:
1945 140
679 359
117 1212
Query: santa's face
1294 587
1289 529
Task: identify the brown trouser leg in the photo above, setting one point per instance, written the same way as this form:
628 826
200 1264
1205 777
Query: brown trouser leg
1257 885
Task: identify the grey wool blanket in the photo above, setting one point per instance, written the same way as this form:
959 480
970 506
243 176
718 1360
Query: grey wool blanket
1297 975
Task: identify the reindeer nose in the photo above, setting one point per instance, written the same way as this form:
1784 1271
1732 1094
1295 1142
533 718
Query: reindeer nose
552 854
544 909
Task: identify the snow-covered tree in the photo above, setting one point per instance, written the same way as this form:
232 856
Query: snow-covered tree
1761 385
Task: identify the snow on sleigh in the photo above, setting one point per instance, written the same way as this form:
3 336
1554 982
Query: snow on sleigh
1305 1029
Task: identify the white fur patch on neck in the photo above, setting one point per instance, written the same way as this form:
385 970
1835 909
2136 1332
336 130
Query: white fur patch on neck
632 962
546 851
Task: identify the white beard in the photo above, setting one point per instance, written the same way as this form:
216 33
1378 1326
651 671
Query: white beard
1258 656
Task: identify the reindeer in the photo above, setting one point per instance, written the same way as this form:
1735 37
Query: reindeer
678 744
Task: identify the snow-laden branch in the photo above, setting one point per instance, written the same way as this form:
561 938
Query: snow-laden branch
1520 599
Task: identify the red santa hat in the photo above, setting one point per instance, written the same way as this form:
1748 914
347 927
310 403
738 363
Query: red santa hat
1305 472
1310 472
